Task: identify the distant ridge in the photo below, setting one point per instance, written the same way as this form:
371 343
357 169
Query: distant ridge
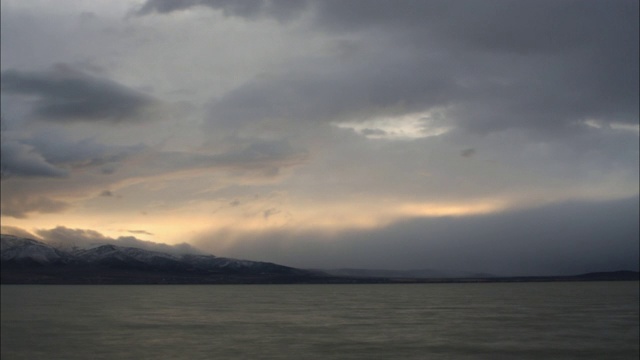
423 275
28 261
618 275
407 274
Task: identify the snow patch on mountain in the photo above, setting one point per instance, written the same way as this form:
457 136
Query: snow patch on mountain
13 248
18 250
121 253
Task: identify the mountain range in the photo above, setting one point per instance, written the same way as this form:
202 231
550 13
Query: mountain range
31 261
28 261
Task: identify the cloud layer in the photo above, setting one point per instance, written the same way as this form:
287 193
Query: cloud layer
64 94
82 238
294 129
568 238
545 65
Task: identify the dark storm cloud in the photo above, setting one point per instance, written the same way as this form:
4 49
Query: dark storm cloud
329 90
53 154
546 65
21 160
523 27
567 238
64 94
21 205
82 238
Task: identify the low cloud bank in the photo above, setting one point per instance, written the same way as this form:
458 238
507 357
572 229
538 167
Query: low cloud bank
66 238
560 239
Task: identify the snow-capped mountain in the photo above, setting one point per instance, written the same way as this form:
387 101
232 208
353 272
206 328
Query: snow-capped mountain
23 254
123 253
28 251
128 257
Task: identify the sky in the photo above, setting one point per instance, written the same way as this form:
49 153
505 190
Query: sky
493 136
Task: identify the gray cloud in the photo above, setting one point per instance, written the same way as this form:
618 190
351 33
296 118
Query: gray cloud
21 160
270 212
494 25
544 65
21 205
82 238
54 154
257 157
106 193
330 89
142 232
568 238
369 131
16 231
65 94
468 152
279 9
57 148
259 153
108 169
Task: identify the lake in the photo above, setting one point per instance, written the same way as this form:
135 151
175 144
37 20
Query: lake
561 320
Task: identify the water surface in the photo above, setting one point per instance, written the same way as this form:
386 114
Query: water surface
586 320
